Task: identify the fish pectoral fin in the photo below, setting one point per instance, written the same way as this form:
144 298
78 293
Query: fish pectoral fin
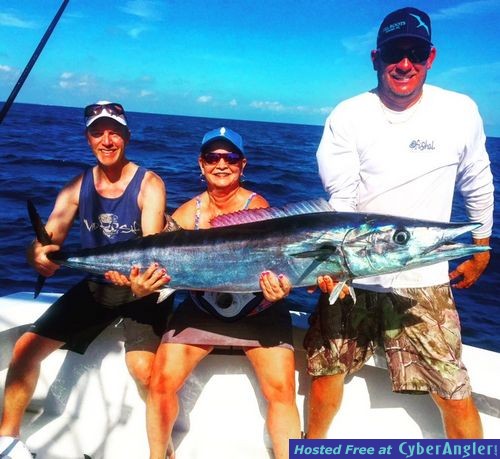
320 254
338 288
165 292
352 292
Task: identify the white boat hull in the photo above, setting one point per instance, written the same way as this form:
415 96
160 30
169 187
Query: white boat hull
89 404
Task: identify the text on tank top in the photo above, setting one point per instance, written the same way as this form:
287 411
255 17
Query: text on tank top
105 221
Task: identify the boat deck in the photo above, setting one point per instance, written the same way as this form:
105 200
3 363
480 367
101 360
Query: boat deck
89 404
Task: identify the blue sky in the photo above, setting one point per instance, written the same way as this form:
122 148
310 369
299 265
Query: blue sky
269 60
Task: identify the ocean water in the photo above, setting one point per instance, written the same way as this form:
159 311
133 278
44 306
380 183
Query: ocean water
42 147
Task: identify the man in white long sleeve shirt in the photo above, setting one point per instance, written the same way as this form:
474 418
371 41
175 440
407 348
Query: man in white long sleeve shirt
401 149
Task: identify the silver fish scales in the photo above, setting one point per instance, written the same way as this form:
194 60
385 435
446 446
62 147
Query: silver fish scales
301 241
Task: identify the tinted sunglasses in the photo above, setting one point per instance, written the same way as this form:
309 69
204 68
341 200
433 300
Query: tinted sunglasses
214 158
393 54
96 109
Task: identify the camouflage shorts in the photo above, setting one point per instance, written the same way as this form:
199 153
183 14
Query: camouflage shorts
418 327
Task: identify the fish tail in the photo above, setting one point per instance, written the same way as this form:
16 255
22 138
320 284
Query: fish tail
42 236
39 285
38 226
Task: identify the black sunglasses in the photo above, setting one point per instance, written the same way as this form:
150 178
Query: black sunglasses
214 158
96 109
393 54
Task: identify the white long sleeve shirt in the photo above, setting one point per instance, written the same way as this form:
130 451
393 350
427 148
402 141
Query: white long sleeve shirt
372 159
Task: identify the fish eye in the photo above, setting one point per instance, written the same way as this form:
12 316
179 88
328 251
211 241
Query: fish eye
401 236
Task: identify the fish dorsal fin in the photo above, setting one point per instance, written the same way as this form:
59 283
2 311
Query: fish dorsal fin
255 215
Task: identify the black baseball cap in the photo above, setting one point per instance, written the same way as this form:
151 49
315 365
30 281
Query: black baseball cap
405 22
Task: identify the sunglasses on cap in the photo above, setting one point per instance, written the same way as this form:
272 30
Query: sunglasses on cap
393 54
214 158
111 108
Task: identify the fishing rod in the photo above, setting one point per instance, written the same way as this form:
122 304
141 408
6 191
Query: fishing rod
31 63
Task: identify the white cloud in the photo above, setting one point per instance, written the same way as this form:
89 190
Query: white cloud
135 32
325 110
360 43
466 8
468 79
69 80
145 93
279 107
267 105
233 103
204 99
120 91
8 73
145 9
9 20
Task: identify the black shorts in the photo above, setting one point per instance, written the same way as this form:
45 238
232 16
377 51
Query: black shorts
85 310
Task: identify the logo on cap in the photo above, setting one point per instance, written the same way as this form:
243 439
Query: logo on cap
395 26
405 22
420 23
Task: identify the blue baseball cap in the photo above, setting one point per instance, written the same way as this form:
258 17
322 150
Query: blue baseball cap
405 22
224 134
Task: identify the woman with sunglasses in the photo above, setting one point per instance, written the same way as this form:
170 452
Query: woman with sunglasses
259 323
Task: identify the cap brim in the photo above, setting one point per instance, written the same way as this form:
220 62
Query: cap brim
399 37
220 139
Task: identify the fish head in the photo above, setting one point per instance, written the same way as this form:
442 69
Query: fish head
383 244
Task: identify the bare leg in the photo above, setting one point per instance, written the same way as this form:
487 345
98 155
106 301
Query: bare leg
460 417
172 366
140 365
325 399
22 377
275 369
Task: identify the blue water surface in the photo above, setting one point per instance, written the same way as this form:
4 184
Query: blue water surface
42 147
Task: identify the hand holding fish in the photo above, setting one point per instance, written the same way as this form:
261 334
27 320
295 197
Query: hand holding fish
149 281
117 278
327 284
141 284
274 287
468 272
36 255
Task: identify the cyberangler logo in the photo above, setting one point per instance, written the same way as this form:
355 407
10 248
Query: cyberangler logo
421 145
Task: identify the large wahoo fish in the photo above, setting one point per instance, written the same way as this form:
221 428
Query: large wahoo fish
300 240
